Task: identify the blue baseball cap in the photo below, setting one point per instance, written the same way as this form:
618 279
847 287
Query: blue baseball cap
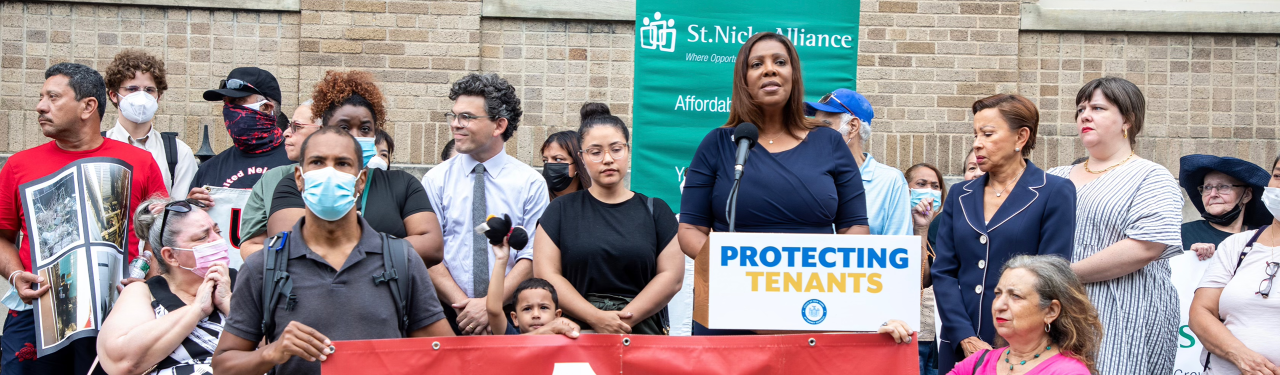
842 101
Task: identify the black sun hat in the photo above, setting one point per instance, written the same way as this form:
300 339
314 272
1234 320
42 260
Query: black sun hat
1195 167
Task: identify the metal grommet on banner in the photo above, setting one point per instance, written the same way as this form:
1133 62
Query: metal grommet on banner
813 342
435 345
626 341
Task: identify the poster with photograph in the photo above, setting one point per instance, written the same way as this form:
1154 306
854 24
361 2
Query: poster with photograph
78 220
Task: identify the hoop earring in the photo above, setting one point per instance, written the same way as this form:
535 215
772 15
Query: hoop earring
1047 326
1126 133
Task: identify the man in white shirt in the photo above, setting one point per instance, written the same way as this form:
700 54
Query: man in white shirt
482 180
135 81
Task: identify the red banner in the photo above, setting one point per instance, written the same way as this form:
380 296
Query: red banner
631 355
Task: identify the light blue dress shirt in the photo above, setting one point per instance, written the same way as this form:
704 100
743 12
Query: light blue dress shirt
888 199
510 187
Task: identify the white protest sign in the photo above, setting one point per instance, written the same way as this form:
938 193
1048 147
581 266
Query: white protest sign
819 282
227 206
1187 270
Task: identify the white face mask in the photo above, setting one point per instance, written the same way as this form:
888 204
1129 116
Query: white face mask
377 162
1271 199
256 106
139 107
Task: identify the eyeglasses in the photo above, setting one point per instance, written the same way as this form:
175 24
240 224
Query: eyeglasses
132 89
1264 288
464 118
294 125
1221 189
616 151
832 96
182 206
236 84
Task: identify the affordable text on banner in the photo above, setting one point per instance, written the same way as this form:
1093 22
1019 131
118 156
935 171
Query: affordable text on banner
627 355
685 52
820 282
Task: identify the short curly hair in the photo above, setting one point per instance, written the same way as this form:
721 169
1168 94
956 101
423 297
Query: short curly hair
500 99
355 87
132 61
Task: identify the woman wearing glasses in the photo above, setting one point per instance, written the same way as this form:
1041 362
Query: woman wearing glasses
1228 193
1129 213
171 323
393 202
795 155
1233 313
610 252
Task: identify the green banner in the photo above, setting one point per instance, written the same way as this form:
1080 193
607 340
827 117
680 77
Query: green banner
684 58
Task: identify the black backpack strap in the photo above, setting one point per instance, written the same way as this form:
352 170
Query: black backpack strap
1249 246
275 282
170 141
395 260
104 133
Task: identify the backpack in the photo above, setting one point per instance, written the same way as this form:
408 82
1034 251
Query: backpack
276 283
170 141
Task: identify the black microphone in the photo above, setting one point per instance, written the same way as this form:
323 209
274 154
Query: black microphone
745 135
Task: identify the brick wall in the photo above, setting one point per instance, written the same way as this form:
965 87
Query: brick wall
921 63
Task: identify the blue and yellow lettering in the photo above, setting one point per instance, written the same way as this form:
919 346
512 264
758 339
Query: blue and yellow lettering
815 282
835 281
771 278
792 281
748 256
873 282
791 255
845 251
728 253
755 280
874 257
898 258
807 256
764 256
857 281
822 257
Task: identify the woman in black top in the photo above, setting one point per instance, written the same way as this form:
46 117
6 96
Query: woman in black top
611 253
393 201
1228 193
562 163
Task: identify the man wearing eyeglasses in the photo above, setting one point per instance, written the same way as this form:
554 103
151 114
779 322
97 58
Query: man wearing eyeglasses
888 198
482 180
70 112
135 83
250 108
253 221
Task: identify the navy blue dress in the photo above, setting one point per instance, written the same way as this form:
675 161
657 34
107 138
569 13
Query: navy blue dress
814 187
802 190
1038 217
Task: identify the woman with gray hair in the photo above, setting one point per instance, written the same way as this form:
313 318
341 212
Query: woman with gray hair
171 323
1043 315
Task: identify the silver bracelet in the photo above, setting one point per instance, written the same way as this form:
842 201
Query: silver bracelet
11 275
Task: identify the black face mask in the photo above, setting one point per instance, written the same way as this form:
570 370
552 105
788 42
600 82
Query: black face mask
1226 218
557 176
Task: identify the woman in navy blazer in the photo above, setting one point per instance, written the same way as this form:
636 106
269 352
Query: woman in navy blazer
1015 208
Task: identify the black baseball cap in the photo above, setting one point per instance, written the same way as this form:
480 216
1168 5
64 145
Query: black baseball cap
245 81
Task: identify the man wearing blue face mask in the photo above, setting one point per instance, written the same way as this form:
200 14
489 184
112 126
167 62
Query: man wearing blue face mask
330 246
250 107
888 203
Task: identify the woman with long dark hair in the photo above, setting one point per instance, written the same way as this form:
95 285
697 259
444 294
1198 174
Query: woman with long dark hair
562 164
795 155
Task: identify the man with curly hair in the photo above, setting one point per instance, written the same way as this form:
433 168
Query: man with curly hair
135 83
482 180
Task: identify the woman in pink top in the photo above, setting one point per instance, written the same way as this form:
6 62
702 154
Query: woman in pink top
1042 313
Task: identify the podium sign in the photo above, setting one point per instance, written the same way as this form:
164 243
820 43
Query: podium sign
812 282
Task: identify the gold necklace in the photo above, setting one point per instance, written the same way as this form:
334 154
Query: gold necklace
1108 169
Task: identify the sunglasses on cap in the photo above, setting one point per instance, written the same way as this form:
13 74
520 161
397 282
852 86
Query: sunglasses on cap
182 206
236 84
832 96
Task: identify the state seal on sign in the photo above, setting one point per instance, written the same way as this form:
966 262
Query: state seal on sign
813 311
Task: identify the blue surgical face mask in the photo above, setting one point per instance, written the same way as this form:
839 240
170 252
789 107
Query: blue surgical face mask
918 195
14 302
329 193
367 149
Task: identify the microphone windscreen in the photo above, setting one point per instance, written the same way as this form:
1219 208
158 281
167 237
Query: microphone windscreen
519 238
746 130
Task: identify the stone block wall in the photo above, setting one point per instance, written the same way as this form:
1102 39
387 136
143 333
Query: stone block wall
921 63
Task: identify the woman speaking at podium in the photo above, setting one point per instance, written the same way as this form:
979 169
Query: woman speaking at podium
800 178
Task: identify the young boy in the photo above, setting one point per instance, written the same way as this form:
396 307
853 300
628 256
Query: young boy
537 309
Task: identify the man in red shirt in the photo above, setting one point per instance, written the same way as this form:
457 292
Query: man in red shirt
75 201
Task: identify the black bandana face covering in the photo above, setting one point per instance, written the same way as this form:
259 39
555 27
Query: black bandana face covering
557 176
1226 218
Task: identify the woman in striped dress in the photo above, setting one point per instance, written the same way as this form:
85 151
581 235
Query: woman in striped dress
1129 213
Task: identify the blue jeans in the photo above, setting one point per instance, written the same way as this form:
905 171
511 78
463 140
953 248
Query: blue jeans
928 358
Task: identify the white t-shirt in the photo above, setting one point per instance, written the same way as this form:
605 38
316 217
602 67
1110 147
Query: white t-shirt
1254 320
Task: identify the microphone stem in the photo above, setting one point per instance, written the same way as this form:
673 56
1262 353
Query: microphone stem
732 207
